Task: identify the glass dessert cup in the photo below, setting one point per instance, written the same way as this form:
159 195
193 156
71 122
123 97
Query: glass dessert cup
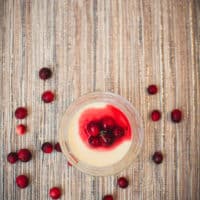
103 162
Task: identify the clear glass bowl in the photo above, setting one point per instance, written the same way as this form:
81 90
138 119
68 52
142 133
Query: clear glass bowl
133 118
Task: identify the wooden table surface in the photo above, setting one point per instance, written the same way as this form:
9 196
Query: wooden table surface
120 46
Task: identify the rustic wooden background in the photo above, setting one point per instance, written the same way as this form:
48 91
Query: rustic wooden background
109 45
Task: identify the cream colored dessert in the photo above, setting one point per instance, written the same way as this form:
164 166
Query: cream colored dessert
88 155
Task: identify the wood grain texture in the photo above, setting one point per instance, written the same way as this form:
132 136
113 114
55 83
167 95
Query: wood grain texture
120 46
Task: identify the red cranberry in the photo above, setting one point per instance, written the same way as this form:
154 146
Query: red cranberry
176 115
107 139
45 73
108 123
94 141
157 157
21 129
155 115
69 164
118 132
93 128
24 155
22 181
47 147
152 89
55 193
21 113
57 147
12 157
122 182
108 197
48 96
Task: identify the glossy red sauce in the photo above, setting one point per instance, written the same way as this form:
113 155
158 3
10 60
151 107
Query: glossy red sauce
96 114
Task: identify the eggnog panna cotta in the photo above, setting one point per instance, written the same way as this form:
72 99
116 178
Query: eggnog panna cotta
99 134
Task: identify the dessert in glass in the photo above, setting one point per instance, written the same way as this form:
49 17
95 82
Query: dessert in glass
101 133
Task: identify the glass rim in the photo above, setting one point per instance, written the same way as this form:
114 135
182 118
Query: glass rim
130 112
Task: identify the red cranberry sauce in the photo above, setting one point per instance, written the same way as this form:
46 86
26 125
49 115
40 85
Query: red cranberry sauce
98 116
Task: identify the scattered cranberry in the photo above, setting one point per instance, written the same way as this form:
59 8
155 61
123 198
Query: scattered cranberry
155 115
94 141
69 164
24 155
12 157
122 182
107 139
176 115
48 96
157 157
21 129
108 123
118 132
55 193
108 197
47 147
57 147
22 181
93 128
152 89
21 112
45 73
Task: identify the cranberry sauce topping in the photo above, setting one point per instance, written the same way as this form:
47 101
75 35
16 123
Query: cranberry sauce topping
104 128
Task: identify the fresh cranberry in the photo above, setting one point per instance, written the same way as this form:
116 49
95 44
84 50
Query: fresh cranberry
48 96
155 115
122 182
45 73
55 193
47 147
157 157
24 155
94 141
12 157
108 197
93 128
21 112
69 164
176 115
152 89
22 181
118 132
21 129
57 147
108 123
107 139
